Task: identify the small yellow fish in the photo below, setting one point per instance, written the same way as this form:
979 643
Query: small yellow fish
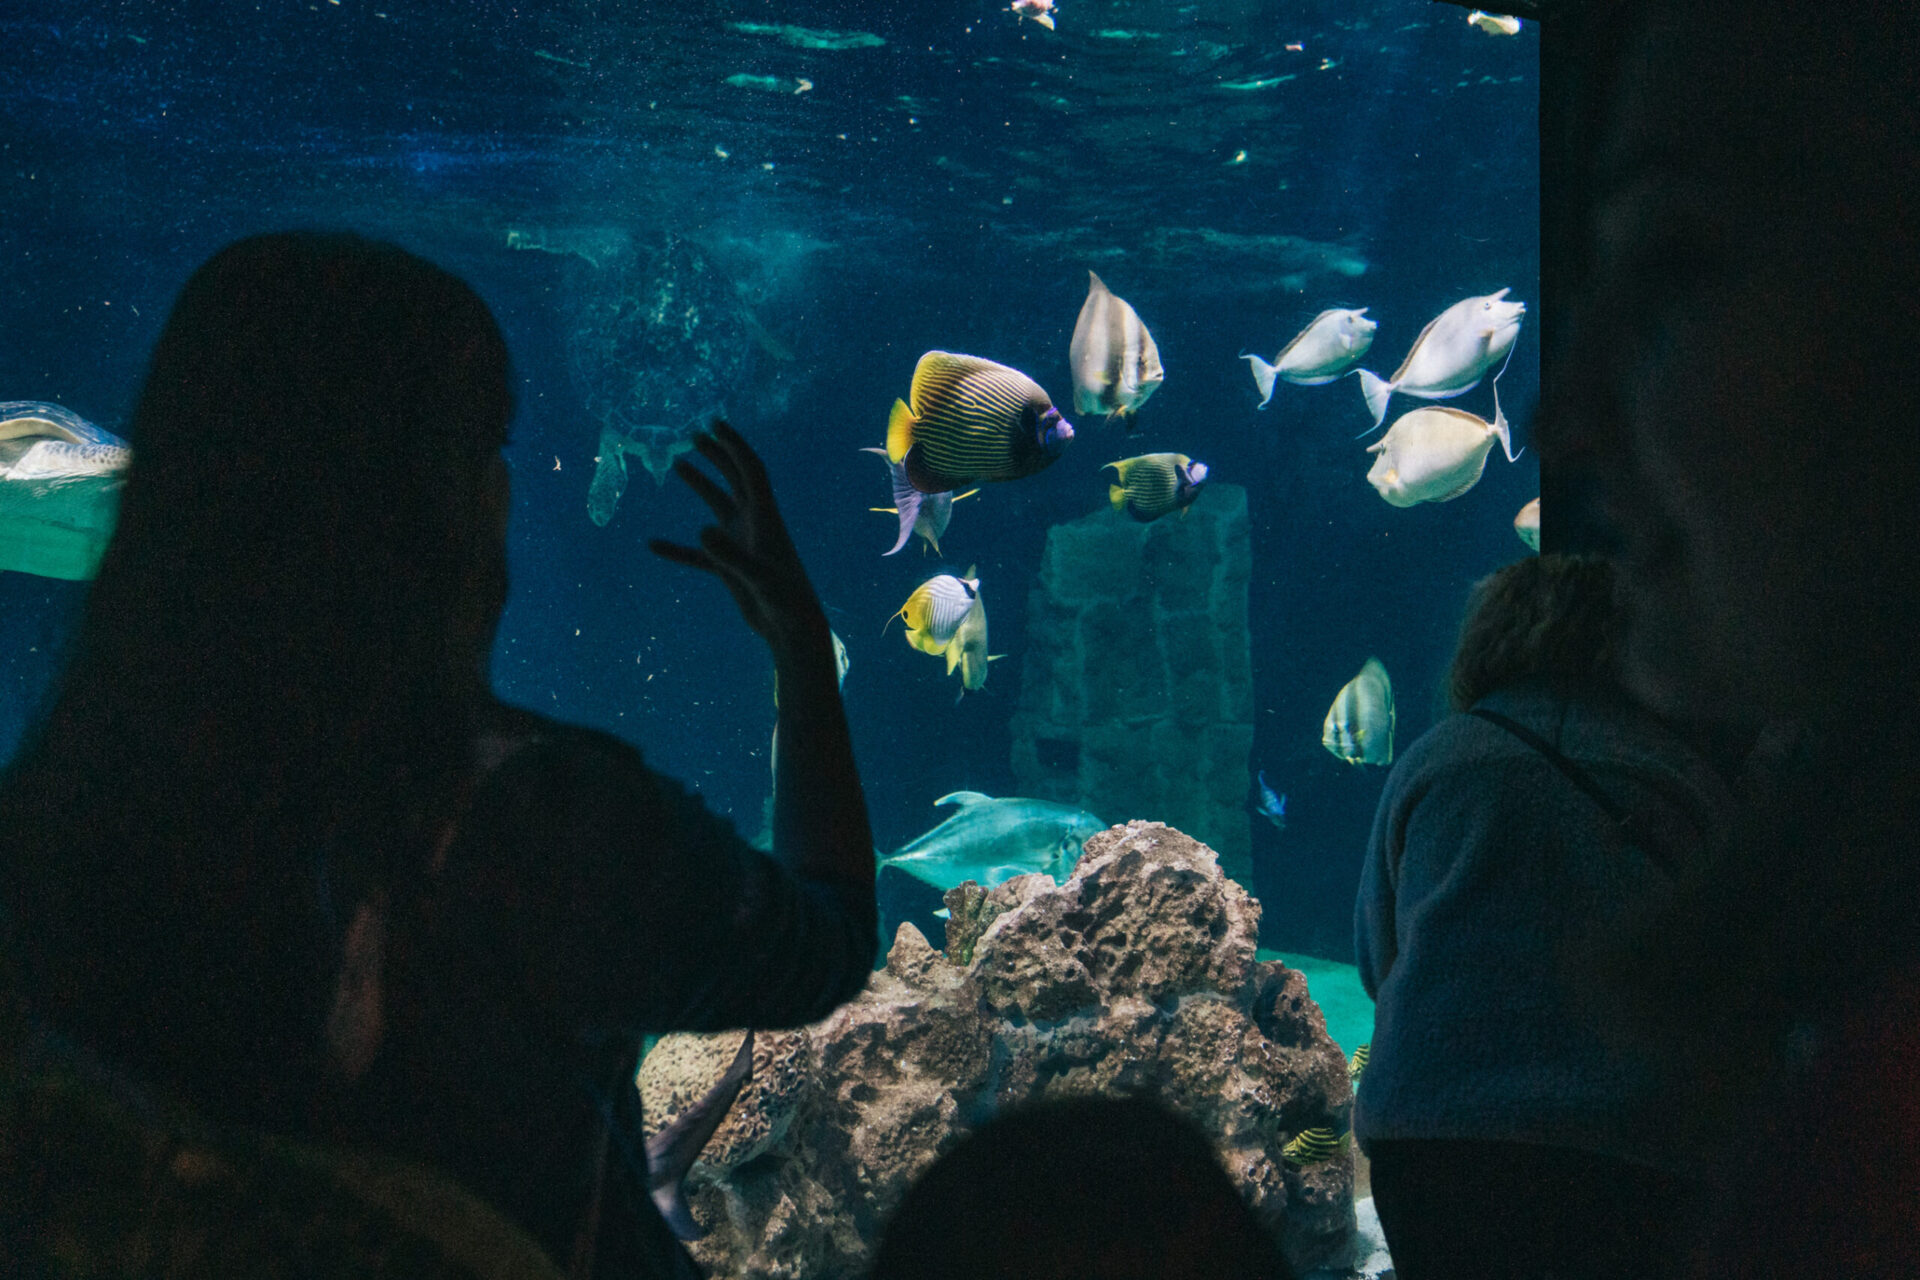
946 617
1359 724
1495 24
1527 524
1313 1146
1154 484
1358 1063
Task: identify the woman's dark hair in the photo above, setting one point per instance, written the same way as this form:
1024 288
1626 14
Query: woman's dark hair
272 690
1544 615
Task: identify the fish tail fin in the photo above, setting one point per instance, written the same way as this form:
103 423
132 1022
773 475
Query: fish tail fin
1117 496
1262 377
1501 427
1377 390
899 431
909 510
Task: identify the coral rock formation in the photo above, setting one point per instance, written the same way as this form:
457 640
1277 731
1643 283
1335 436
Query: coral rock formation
1136 691
1136 976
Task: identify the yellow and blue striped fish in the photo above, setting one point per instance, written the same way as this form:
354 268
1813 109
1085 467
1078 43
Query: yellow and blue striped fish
1358 1063
1312 1146
1154 484
935 610
970 419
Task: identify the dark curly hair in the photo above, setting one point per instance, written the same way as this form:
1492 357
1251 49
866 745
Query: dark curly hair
1549 615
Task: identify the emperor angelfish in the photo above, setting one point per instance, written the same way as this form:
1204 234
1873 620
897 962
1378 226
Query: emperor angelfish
946 616
1451 354
1359 724
968 419
60 483
1527 524
1324 351
1435 454
1115 364
926 514
1154 484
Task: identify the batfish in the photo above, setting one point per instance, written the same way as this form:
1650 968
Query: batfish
1451 354
1436 454
1115 364
672 1151
926 514
1323 352
60 483
1359 724
989 841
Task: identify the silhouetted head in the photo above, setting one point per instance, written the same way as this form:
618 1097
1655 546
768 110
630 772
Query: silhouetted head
1116 1188
1732 383
1540 616
273 689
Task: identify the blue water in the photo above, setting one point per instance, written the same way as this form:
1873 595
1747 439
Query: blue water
949 188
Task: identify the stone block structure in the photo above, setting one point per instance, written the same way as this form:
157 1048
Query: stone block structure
1136 689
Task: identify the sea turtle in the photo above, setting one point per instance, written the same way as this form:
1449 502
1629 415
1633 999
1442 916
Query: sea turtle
60 481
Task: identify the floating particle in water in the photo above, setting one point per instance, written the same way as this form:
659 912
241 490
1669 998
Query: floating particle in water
720 151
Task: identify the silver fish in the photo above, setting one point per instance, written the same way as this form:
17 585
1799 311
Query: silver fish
989 841
926 514
1359 724
1451 354
1527 524
1435 454
1323 352
60 483
672 1151
1115 364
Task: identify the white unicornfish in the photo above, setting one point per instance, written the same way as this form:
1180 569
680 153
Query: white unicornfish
989 841
1435 454
60 482
1359 724
1115 364
1527 524
1451 354
1322 352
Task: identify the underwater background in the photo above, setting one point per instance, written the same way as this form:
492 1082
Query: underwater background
771 210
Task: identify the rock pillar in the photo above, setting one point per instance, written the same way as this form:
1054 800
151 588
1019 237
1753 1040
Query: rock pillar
1136 691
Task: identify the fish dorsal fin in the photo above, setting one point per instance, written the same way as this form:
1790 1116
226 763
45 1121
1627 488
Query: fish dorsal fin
963 798
1310 326
1095 284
